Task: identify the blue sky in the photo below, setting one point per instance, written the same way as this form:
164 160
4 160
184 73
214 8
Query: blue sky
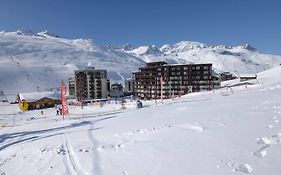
230 22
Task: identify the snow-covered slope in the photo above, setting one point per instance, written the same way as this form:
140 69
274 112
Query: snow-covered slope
31 61
271 77
198 134
238 60
36 61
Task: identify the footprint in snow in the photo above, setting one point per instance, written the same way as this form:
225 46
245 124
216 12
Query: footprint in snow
245 168
269 126
266 143
261 152
83 150
193 127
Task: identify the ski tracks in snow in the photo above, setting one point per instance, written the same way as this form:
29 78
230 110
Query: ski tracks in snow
95 156
72 165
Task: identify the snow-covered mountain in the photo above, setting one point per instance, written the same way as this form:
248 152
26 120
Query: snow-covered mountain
238 60
35 61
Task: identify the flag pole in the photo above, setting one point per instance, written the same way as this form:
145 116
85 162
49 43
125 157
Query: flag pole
64 108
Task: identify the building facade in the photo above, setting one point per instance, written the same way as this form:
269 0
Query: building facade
116 90
225 76
216 80
91 83
71 86
129 85
176 79
247 77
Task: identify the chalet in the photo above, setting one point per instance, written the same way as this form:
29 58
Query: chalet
38 100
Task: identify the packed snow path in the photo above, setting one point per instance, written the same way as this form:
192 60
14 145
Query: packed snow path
201 133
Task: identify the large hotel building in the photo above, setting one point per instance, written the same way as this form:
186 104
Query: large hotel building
176 79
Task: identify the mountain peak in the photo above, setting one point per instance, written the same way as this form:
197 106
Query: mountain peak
127 47
147 50
247 47
190 45
26 32
46 33
29 32
182 46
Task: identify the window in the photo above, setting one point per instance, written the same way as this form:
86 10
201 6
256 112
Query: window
206 77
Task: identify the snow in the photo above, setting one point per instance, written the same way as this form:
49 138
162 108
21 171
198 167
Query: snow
238 60
31 62
200 133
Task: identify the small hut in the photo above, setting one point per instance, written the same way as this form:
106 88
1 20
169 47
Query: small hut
38 100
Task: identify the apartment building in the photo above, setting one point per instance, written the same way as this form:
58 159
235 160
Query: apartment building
178 79
91 83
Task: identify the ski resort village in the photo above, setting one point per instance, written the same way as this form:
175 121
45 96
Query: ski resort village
75 107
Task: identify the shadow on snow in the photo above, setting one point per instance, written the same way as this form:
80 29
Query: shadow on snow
39 134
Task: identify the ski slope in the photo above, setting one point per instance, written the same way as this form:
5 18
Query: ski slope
39 61
200 133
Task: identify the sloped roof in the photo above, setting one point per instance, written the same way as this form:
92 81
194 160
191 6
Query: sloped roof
35 96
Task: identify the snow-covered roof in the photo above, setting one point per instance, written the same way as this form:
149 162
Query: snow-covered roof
248 75
187 64
35 96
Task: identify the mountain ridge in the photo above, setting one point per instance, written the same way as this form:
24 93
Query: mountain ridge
32 61
235 59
